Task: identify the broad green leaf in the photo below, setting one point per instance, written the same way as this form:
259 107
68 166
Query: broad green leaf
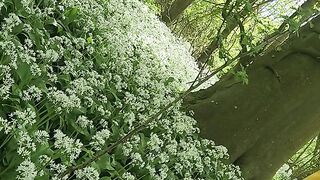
105 163
24 74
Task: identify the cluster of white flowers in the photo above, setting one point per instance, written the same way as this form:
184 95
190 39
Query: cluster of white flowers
24 118
137 159
81 87
155 143
80 74
84 122
63 101
128 176
25 144
41 136
56 169
7 81
68 145
10 22
284 173
87 173
27 170
32 93
8 126
99 139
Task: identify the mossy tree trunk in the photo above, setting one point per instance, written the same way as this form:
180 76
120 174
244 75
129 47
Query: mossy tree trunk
265 122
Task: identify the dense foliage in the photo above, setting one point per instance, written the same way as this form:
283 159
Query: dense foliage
204 21
200 24
77 75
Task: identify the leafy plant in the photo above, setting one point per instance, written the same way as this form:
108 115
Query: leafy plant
78 75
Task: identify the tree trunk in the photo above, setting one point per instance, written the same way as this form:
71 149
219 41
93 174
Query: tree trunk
265 122
177 8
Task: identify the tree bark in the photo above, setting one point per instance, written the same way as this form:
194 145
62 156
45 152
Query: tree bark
177 8
265 122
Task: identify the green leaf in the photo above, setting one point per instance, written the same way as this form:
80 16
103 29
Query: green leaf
105 163
71 120
89 40
16 91
44 177
79 129
80 111
71 15
99 59
35 36
43 149
95 166
24 74
37 23
169 80
242 76
52 21
17 29
248 7
9 174
105 178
